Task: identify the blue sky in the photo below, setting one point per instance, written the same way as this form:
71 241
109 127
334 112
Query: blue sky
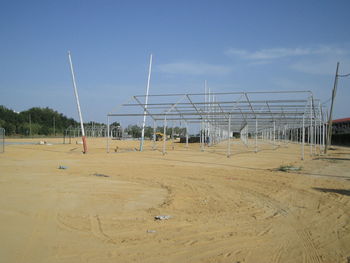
234 45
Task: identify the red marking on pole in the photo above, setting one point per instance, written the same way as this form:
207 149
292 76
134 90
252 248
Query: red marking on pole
84 145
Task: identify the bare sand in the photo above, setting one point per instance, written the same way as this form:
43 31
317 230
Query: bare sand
238 209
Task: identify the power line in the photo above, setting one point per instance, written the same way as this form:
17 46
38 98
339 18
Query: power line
346 75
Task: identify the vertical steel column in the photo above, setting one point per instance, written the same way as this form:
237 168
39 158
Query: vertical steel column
320 127
274 134
205 111
107 134
311 129
256 135
201 136
303 138
323 136
172 135
164 136
229 135
186 135
315 132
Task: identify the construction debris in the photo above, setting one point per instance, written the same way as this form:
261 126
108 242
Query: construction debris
100 175
162 217
286 168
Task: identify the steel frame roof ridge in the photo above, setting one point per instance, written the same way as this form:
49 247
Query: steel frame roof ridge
186 107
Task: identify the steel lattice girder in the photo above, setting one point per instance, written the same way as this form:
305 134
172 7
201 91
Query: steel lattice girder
279 107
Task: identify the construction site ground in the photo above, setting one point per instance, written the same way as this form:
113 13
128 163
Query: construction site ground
101 207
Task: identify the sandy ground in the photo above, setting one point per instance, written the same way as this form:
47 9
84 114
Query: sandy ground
238 209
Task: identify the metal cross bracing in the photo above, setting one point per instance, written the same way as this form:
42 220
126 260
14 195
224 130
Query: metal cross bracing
280 116
92 131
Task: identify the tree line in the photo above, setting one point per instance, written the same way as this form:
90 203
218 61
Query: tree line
35 121
48 122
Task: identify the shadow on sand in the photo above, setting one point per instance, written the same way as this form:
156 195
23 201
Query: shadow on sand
337 191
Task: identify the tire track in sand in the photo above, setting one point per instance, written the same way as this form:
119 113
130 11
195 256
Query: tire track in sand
97 231
278 254
311 254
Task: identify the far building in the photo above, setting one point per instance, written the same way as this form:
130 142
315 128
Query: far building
341 132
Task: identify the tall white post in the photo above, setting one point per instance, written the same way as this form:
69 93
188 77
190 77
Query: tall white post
146 102
323 136
201 139
186 135
256 135
172 135
311 129
164 136
303 138
274 136
78 104
229 135
206 111
107 134
209 119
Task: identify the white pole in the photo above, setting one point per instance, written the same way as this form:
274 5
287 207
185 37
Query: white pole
206 111
228 139
78 104
144 112
209 118
274 136
107 134
164 136
303 138
256 135
186 135
323 136
311 129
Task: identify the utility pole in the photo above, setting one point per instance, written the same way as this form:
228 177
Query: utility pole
329 133
334 92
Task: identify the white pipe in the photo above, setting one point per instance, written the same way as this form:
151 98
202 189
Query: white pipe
164 135
107 134
256 135
145 109
78 104
228 139
303 138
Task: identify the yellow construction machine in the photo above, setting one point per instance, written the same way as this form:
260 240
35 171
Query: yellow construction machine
159 136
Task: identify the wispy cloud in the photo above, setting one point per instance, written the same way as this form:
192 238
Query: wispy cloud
325 66
193 68
276 53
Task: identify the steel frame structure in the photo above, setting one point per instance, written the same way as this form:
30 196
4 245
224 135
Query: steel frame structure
92 131
274 116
